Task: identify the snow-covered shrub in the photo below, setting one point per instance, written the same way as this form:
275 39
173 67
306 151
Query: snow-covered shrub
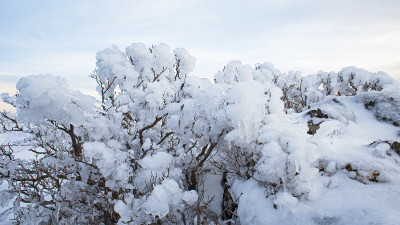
164 147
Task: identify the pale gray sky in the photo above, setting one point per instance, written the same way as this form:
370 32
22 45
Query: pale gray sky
62 37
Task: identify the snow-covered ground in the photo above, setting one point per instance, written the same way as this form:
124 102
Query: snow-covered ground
338 195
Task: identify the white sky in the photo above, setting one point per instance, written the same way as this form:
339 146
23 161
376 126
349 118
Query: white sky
62 37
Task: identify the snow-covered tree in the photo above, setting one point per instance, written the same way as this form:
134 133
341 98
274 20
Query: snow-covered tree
164 147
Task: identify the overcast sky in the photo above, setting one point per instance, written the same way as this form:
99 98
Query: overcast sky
62 37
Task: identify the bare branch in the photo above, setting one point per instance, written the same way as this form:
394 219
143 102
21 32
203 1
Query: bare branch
148 127
162 139
14 121
156 76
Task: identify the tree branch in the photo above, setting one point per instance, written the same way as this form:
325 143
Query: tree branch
14 121
148 127
162 139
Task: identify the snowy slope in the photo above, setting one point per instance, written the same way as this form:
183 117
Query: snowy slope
340 194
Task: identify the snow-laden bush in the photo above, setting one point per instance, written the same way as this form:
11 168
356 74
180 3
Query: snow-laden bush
148 152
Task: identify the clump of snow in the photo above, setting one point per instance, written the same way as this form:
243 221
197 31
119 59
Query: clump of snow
165 195
48 97
190 197
162 196
154 168
245 109
186 61
110 162
113 68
